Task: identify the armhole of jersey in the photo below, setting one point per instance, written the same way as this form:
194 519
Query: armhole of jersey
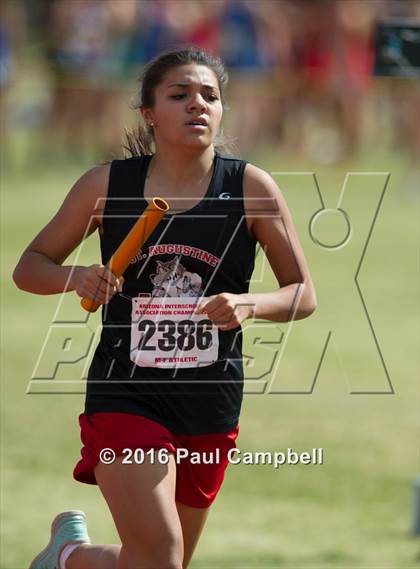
243 209
106 212
241 175
119 168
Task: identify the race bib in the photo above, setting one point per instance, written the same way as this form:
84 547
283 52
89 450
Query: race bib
166 334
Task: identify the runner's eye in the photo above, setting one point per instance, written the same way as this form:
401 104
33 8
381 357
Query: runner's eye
177 97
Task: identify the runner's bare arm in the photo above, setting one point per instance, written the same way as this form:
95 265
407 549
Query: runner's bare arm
40 268
275 231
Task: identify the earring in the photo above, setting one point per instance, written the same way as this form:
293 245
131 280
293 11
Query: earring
152 124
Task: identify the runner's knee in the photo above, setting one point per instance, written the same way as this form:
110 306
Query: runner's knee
157 550
139 557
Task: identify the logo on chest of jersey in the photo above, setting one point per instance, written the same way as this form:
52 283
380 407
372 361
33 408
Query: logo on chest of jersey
225 196
172 279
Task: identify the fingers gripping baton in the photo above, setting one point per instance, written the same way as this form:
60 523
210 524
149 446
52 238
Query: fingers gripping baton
137 236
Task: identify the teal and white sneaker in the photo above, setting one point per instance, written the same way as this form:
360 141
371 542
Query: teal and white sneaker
67 527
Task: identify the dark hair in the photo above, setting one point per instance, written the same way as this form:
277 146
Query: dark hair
140 141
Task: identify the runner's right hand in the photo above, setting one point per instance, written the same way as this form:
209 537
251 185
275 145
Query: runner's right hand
97 283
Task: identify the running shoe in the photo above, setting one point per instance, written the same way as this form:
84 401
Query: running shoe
67 527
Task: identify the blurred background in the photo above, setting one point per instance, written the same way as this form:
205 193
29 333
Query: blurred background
320 87
301 74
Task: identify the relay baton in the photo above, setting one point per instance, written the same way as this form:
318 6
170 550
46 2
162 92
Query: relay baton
133 241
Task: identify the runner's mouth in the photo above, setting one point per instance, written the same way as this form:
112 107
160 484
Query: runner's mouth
197 122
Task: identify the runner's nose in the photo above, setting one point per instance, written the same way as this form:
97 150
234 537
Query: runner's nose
197 103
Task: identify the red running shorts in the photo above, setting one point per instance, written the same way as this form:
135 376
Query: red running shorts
197 485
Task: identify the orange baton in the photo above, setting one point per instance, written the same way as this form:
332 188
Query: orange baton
137 236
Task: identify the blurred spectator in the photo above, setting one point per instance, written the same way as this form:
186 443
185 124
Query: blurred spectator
12 36
403 101
86 60
153 28
203 26
5 57
333 57
164 23
243 51
241 47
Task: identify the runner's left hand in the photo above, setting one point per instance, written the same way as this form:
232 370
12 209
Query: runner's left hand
227 311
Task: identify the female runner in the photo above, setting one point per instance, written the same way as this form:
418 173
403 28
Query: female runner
171 382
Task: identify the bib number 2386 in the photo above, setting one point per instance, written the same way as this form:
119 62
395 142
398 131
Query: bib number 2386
165 333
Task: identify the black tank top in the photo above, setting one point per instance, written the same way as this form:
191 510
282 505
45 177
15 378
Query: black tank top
204 251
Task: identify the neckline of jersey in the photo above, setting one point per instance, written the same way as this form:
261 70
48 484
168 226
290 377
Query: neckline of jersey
203 199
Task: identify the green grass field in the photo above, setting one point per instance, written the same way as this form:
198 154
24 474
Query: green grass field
352 512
